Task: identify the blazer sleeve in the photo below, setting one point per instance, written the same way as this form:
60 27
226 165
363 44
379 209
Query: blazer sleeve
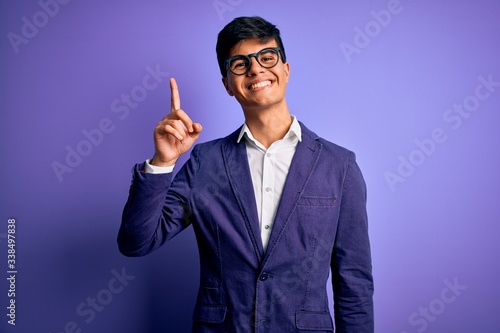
156 209
351 258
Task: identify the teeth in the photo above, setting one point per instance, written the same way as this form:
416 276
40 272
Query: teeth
260 85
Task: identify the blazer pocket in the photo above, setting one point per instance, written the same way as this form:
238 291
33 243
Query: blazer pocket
209 313
317 201
314 321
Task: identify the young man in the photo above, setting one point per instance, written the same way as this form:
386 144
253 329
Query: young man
274 207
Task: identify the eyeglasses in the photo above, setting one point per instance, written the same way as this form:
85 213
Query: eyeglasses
240 64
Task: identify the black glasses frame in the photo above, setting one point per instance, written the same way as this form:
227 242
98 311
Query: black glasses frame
256 56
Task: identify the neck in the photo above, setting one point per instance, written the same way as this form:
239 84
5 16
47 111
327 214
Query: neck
268 124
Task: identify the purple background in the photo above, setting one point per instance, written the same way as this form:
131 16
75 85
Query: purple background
437 228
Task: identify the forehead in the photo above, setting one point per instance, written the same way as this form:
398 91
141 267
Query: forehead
251 45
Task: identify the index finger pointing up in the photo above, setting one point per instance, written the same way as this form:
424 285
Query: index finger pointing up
174 92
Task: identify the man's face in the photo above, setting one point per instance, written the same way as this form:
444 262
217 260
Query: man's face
261 87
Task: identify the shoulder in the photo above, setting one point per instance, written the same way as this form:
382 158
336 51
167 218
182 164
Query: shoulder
335 161
213 146
329 149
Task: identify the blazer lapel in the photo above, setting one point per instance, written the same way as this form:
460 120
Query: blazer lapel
303 163
238 171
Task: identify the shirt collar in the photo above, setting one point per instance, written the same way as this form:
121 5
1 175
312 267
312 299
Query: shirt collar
293 130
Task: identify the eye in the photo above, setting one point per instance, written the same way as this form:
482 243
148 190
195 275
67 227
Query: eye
268 57
238 63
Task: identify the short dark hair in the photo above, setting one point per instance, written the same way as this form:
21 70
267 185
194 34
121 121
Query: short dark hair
243 28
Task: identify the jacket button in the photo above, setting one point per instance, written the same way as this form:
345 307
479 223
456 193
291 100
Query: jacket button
264 276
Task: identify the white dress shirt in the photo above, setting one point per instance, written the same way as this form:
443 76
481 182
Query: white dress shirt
268 169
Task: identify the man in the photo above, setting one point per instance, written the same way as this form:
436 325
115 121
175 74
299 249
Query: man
274 207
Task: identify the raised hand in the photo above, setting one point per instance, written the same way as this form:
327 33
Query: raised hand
175 133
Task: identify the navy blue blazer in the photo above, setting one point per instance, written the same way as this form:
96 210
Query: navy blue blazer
320 225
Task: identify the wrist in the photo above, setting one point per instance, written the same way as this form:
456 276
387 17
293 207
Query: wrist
163 164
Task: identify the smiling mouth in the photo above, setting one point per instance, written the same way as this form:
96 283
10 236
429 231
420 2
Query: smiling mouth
259 85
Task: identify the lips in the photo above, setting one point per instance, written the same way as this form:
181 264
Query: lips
260 84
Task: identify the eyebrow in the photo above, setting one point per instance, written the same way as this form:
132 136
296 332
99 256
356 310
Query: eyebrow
246 54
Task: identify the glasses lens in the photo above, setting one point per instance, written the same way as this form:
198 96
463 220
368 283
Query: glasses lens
239 64
268 58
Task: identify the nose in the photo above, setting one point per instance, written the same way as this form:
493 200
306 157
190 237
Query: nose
255 66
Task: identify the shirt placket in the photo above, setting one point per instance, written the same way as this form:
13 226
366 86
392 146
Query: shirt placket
268 195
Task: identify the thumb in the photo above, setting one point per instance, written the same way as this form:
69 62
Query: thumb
197 128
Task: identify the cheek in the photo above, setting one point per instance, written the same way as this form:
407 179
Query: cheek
232 84
232 87
282 76
240 86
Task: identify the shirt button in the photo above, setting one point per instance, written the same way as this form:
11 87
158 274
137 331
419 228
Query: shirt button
268 189
266 227
268 154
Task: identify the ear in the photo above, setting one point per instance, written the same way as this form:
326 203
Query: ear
286 65
226 85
